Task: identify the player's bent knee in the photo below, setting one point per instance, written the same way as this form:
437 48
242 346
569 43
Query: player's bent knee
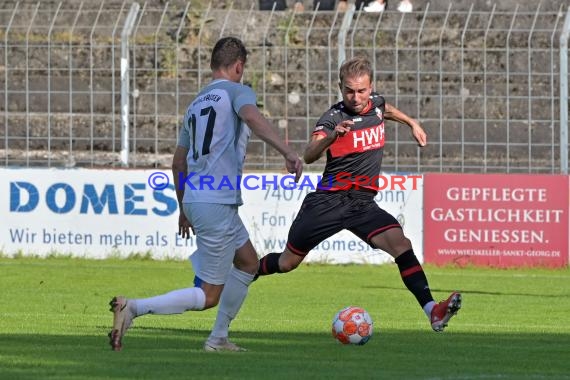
249 267
392 241
403 245
212 293
211 302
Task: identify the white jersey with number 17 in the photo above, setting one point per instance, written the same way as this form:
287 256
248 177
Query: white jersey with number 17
216 139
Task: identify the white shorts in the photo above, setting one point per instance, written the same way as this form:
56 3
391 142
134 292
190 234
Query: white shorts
219 233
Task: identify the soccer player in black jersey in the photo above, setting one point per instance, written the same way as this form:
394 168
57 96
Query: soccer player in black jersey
351 133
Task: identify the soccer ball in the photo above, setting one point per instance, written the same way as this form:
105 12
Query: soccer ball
352 325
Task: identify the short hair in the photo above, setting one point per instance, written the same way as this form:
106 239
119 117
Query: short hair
357 66
227 51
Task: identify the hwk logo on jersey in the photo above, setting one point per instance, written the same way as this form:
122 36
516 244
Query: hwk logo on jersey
359 141
369 138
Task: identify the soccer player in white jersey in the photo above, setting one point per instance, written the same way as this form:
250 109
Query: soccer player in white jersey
207 164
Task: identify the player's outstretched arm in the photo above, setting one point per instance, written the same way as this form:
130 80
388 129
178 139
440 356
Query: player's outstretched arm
316 147
320 143
392 113
180 170
265 131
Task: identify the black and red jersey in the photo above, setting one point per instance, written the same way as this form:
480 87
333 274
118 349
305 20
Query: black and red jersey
353 160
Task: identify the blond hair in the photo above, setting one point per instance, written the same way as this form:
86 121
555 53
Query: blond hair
355 67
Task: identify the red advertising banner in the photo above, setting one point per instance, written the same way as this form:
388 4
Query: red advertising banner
500 220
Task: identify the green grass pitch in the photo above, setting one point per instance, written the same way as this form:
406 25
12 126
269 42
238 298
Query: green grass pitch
54 320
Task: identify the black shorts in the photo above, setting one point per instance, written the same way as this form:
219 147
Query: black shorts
324 213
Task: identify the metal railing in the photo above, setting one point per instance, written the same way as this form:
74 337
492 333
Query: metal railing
88 85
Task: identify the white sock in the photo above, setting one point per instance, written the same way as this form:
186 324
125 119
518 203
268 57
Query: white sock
175 302
233 295
428 307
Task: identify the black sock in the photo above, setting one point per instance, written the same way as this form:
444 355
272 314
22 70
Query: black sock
269 264
414 277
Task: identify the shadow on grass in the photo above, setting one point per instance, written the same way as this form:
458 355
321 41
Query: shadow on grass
152 353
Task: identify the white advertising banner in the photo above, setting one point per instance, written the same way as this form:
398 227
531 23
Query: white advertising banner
116 213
